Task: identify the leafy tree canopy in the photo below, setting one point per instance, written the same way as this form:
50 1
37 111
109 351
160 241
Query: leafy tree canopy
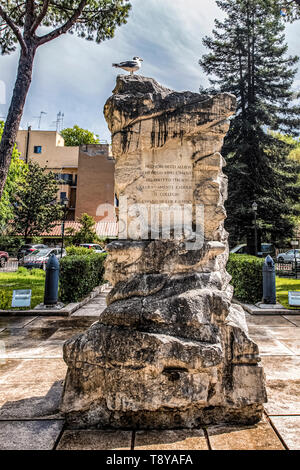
288 9
75 136
86 233
94 20
294 143
35 204
33 23
16 175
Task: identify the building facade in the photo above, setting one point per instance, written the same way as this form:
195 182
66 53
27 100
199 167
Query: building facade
85 174
95 184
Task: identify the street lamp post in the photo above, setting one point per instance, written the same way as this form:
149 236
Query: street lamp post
294 243
254 208
64 203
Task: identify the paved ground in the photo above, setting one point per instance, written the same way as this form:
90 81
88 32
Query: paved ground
32 373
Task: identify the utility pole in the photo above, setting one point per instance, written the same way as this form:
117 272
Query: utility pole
254 208
64 203
27 144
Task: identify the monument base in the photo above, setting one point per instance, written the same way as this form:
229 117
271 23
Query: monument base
179 358
171 350
99 417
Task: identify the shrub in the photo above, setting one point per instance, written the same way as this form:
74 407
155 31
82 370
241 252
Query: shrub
86 233
247 280
5 300
23 271
10 244
73 250
79 275
37 272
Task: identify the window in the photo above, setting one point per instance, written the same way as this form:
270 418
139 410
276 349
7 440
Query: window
64 178
37 149
63 196
266 247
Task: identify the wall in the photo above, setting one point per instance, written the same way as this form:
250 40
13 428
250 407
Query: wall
54 154
95 185
56 157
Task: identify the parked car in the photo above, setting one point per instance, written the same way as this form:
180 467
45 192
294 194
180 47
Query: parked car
288 256
3 258
29 248
240 249
39 258
266 249
93 246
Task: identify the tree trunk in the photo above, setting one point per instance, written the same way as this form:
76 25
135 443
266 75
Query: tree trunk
15 112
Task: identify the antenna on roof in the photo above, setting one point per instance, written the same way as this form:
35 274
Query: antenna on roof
59 122
40 118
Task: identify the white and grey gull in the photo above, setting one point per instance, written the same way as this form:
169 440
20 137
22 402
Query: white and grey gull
130 65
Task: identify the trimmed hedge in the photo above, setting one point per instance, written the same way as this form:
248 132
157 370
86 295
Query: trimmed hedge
73 250
79 275
247 277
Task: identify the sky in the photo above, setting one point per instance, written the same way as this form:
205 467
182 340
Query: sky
76 77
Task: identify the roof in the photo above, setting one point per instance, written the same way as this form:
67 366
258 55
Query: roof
103 229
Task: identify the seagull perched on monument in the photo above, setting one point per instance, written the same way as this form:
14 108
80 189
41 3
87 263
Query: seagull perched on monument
130 65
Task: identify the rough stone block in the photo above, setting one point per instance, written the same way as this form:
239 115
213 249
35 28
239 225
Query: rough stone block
170 350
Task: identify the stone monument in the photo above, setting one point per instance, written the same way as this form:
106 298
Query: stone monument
171 350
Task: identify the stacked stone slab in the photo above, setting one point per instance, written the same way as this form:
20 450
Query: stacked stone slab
171 350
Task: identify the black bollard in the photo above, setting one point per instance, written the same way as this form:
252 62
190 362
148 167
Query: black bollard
269 281
51 282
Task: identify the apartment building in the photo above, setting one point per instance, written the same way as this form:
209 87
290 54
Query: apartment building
85 174
95 184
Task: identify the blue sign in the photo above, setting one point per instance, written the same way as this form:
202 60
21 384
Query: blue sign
21 298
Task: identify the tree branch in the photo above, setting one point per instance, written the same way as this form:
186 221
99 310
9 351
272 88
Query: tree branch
14 28
65 28
40 17
29 17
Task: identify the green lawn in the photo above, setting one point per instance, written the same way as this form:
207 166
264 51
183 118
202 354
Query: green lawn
283 285
35 280
22 279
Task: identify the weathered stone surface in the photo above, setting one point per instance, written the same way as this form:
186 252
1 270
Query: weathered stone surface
29 435
170 350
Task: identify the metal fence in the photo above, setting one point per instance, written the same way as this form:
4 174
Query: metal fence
288 269
10 266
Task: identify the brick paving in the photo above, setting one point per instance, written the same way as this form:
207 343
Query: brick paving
32 373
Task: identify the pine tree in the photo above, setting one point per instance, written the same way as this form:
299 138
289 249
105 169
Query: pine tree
248 57
32 24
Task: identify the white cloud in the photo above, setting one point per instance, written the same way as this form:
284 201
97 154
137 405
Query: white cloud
76 76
